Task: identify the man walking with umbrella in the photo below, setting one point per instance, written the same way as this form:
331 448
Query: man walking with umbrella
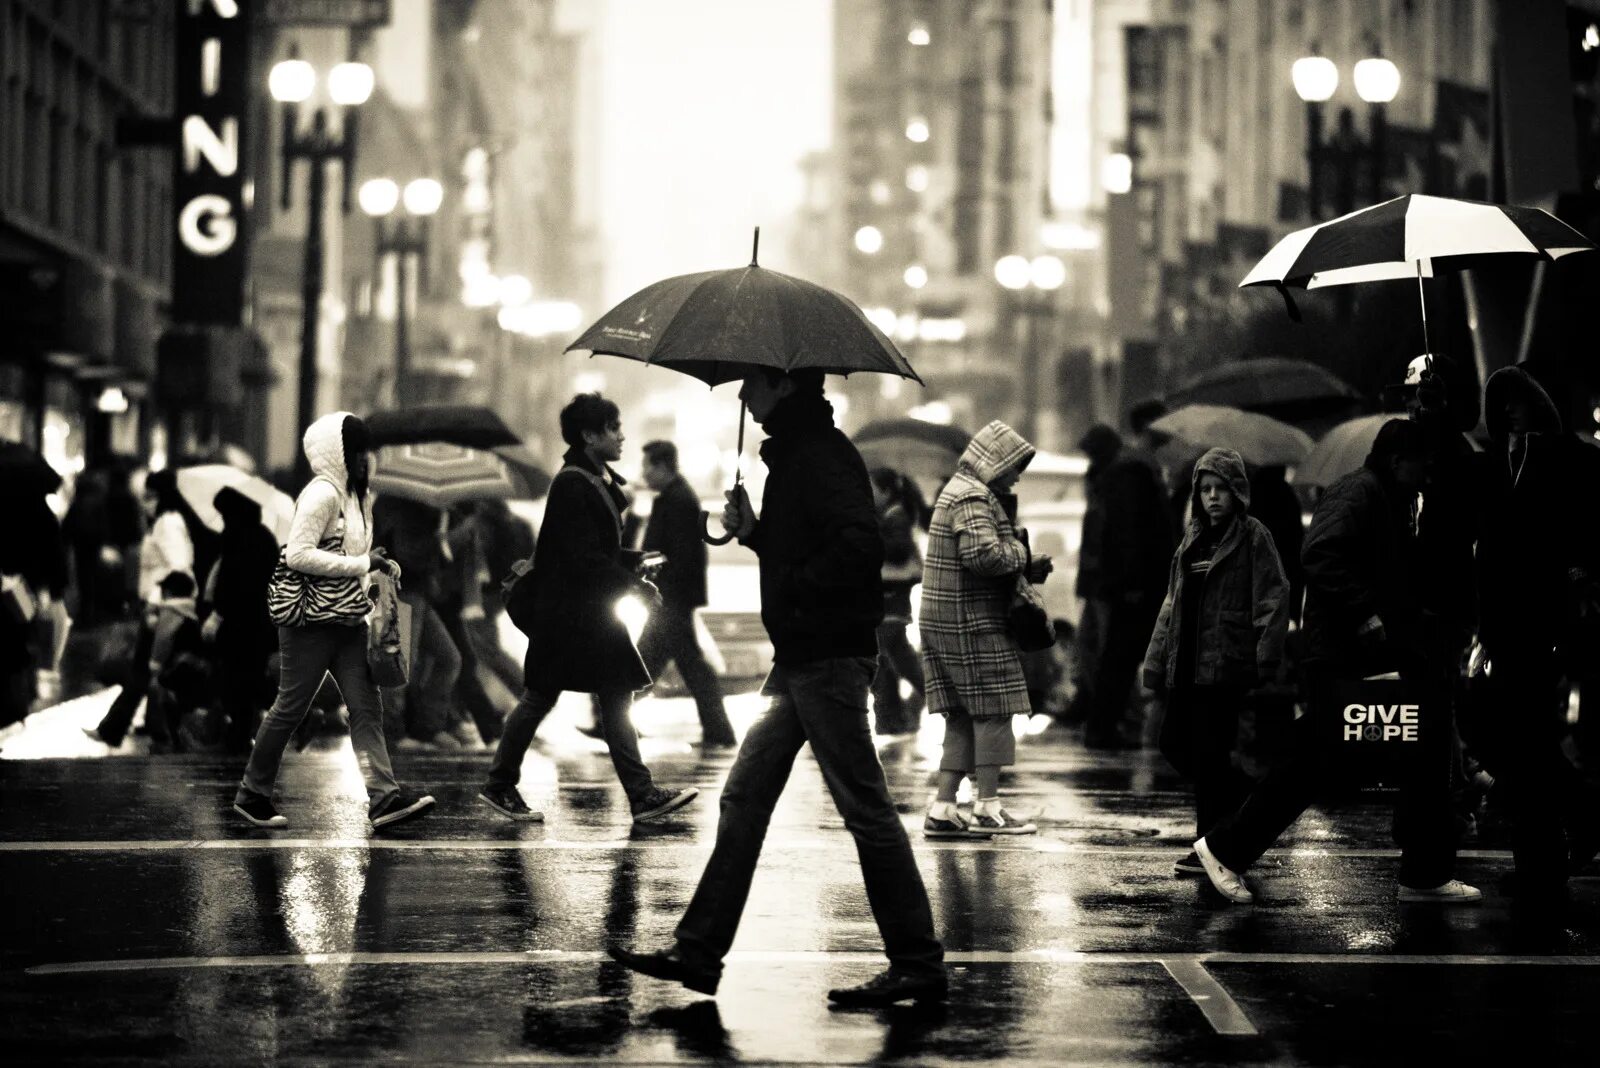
821 553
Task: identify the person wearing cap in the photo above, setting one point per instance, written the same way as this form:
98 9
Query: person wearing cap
1362 616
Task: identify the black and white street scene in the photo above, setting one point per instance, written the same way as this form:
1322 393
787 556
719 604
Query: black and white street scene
799 532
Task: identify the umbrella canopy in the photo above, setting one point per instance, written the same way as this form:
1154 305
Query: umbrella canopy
913 447
25 469
717 325
199 486
459 424
1343 449
526 466
440 474
1285 388
1259 439
1412 236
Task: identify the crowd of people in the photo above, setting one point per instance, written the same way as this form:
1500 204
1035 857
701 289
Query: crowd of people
1469 577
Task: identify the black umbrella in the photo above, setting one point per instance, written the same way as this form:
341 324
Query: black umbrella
25 469
471 425
718 325
1276 386
913 447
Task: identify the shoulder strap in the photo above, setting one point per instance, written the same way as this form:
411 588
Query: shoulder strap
605 494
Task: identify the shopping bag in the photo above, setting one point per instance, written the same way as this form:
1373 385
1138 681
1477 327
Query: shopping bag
1369 728
386 647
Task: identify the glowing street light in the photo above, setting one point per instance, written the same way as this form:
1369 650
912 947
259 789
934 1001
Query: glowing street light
869 240
917 130
1315 78
1012 272
1377 80
350 84
292 81
916 276
423 196
378 196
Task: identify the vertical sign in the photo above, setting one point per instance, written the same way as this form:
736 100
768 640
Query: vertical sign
209 231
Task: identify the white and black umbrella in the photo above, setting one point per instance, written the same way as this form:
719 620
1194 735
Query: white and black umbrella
1411 236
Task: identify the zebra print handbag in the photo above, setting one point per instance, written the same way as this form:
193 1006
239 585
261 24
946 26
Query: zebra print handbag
295 599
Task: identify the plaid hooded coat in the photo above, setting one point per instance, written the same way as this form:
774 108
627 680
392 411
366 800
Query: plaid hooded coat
974 556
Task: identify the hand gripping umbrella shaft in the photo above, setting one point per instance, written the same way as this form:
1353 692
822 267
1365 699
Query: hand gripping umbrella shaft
738 482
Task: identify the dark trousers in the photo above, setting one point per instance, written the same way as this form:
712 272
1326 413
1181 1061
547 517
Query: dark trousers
430 692
119 717
483 632
824 703
469 690
1125 637
1424 823
669 638
1540 784
615 724
1198 737
241 688
896 661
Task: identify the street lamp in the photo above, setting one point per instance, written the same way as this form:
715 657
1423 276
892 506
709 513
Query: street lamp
1316 79
1033 281
292 82
406 236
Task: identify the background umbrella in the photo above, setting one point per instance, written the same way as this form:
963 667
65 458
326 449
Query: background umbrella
458 424
1259 439
440 474
526 466
199 486
718 325
1276 386
25 469
1343 449
1411 236
914 447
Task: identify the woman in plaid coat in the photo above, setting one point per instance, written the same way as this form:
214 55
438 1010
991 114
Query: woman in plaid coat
972 664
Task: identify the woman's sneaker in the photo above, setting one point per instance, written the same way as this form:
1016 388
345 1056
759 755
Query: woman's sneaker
1226 881
396 807
1002 822
934 827
659 802
1454 892
509 803
260 811
1189 865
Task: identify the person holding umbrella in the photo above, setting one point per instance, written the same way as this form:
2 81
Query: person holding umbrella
567 606
820 553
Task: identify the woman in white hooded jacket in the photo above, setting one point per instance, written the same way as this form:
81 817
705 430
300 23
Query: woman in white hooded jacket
333 505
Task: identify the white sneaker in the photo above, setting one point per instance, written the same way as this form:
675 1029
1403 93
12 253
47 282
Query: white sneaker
1227 882
1454 892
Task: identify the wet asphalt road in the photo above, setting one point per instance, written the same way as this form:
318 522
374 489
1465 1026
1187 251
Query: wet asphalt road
143 924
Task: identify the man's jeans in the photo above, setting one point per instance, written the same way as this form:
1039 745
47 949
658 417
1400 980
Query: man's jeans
308 654
824 703
615 723
669 638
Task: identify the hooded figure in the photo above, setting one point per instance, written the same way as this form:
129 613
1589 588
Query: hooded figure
239 623
974 556
334 502
1228 628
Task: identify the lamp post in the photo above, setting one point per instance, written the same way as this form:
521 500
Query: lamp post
291 83
1377 81
1033 280
406 236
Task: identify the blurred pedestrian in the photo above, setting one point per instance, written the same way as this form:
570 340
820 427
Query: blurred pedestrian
33 570
567 605
669 633
476 719
179 672
901 512
1220 631
1539 572
167 548
1362 617
86 529
821 600
501 540
238 625
330 546
971 662
1127 545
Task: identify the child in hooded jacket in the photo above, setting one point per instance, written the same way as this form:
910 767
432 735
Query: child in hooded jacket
1220 631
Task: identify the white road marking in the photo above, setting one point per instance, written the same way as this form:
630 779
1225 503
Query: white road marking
1225 1015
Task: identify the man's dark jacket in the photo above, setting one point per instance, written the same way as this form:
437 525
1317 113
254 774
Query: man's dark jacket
248 556
818 540
674 529
568 602
1360 562
1127 531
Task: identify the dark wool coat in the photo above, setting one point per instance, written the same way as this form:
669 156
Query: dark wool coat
818 539
970 661
1127 530
1539 536
1361 561
580 570
674 529
1244 598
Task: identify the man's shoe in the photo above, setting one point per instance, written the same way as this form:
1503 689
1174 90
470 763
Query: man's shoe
933 827
1224 880
93 734
719 741
659 802
396 807
669 965
889 987
1189 865
260 811
1454 892
509 803
1004 823
593 730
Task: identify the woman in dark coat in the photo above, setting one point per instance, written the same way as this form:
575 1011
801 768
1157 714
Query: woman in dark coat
567 605
30 551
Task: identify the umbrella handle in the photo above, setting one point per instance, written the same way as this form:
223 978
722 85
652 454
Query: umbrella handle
738 480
